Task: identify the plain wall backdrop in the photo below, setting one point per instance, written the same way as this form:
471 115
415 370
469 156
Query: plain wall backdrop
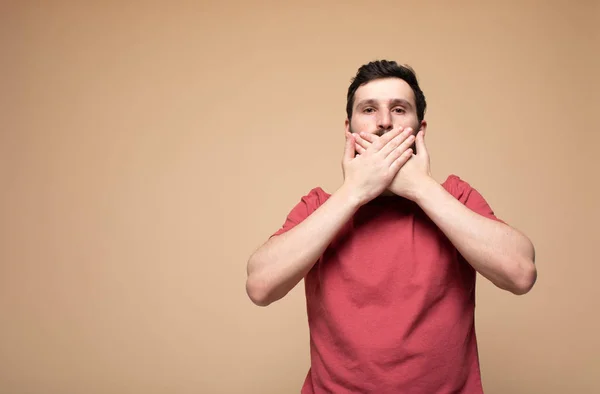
148 148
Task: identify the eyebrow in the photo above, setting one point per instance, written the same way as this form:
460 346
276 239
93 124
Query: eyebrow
393 102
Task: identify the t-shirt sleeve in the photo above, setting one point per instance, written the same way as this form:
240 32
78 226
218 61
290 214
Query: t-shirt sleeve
307 205
471 198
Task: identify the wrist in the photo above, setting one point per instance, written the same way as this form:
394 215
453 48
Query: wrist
425 188
349 197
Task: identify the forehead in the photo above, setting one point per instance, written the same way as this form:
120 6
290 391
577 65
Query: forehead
384 90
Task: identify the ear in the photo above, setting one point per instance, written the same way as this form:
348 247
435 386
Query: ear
423 127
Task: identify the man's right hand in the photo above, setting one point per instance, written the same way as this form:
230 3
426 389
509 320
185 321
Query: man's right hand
366 176
283 261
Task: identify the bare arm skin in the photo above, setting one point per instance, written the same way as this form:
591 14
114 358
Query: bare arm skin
281 263
497 251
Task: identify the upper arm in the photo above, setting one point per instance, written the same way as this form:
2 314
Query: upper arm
306 206
472 199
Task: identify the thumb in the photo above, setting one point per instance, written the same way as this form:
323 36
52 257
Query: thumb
349 148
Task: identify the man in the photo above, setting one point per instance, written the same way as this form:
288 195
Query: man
390 258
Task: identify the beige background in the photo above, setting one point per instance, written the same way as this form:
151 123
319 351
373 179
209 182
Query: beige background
148 148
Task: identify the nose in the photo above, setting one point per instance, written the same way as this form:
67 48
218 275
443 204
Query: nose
384 122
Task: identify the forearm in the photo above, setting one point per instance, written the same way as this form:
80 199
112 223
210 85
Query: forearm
498 252
281 263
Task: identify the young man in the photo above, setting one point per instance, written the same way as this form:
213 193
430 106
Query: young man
389 259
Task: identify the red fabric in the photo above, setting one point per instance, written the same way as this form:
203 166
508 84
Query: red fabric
391 302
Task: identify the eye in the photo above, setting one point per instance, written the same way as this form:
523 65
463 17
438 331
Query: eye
399 110
368 110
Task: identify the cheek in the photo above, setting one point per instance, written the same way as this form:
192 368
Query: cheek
360 123
408 121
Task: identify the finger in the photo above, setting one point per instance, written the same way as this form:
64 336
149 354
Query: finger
408 143
368 137
362 142
401 161
349 148
360 150
398 152
405 138
380 142
390 135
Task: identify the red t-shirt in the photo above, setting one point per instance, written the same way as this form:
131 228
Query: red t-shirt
391 302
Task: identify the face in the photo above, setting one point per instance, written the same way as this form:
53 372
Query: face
383 105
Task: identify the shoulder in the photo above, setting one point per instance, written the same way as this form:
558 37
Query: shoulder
469 196
457 186
311 200
305 207
461 189
315 197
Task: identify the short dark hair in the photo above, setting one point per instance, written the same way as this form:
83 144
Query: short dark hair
380 69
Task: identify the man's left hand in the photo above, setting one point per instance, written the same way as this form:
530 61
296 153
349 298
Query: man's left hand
415 174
